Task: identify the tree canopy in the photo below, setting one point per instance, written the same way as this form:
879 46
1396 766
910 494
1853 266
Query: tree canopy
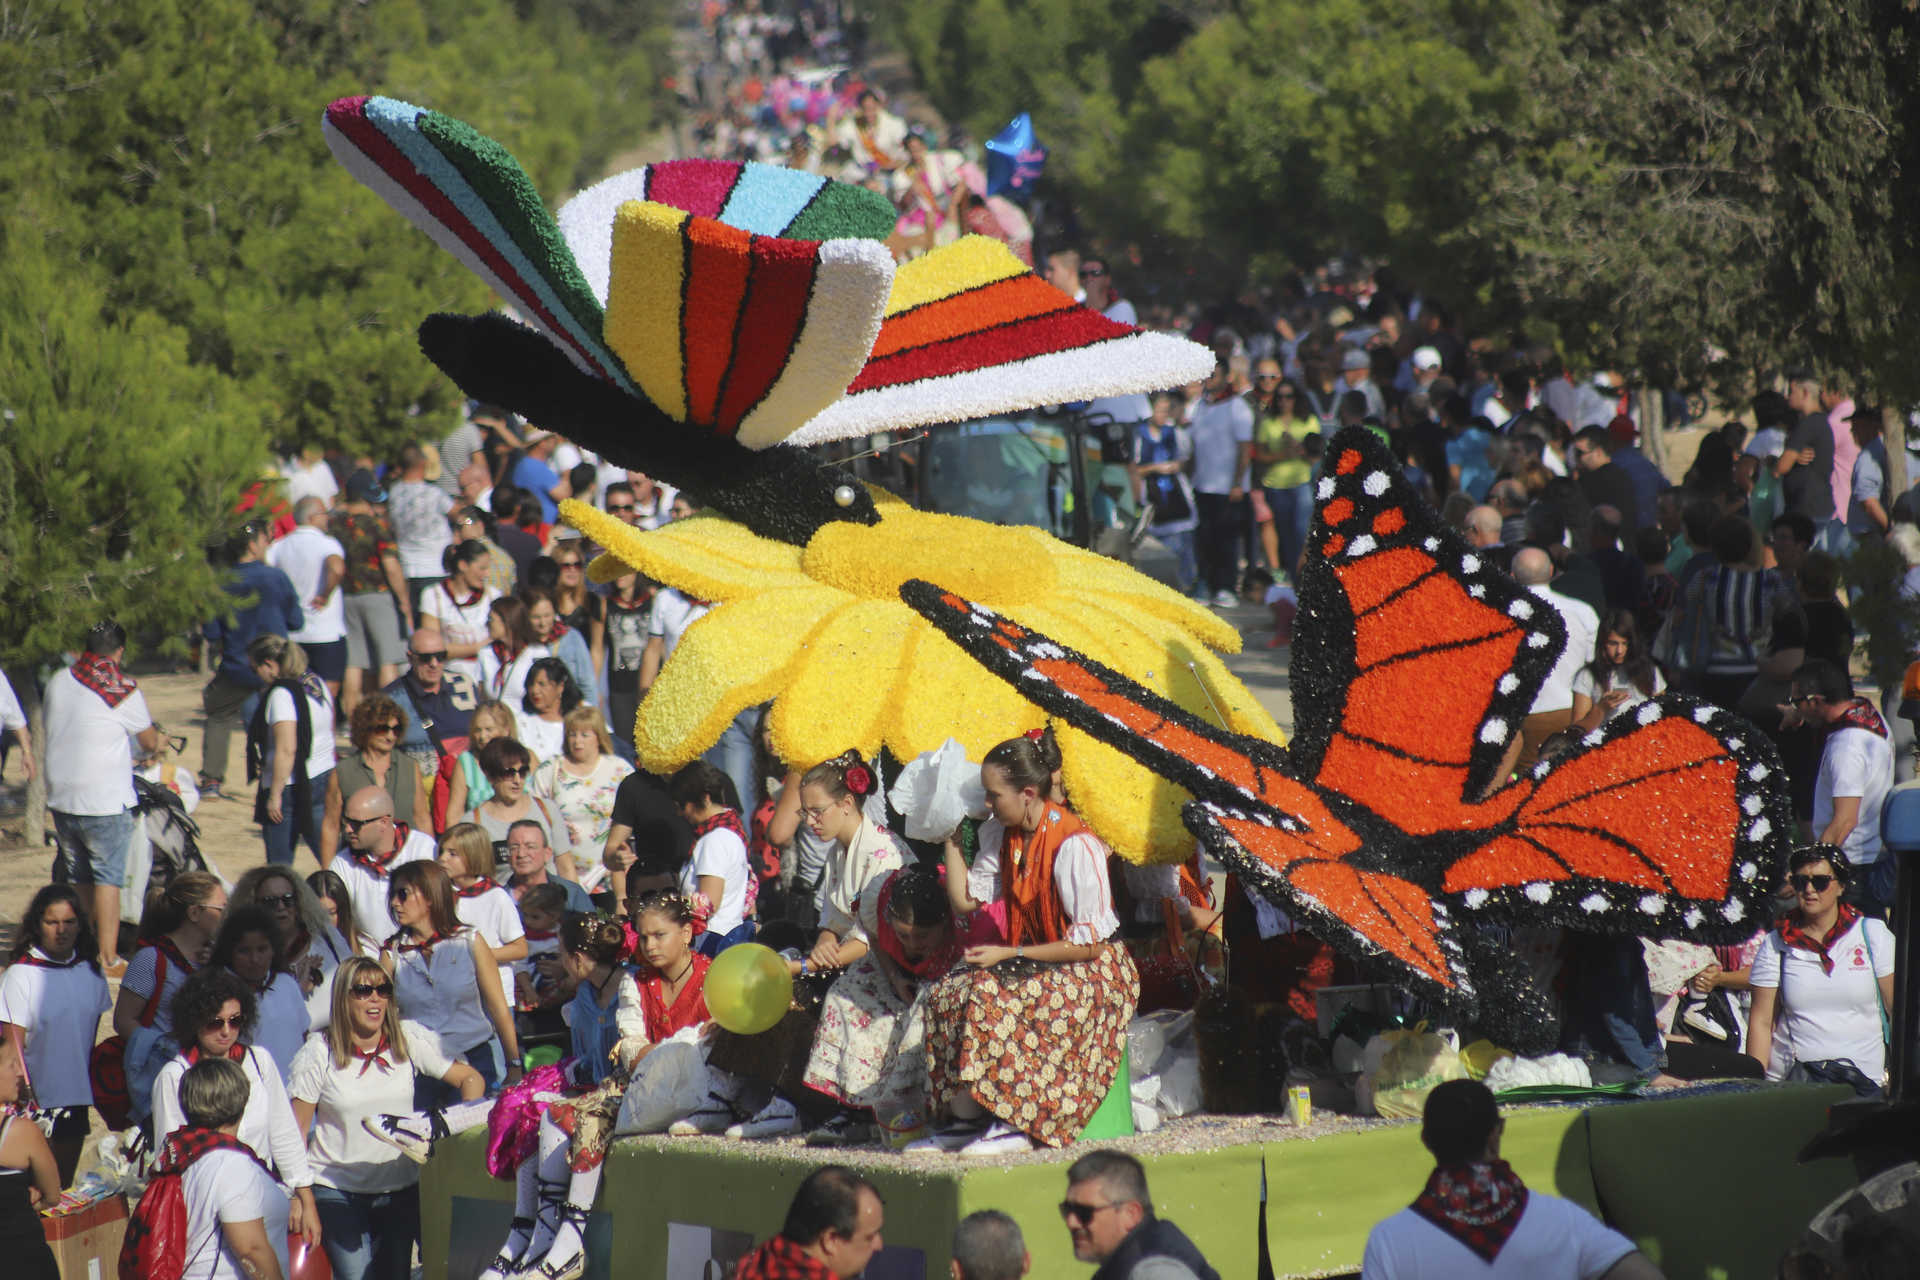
1654 184
188 283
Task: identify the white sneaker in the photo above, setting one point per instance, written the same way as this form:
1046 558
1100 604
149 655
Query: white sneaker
712 1118
1000 1139
951 1136
775 1120
1225 599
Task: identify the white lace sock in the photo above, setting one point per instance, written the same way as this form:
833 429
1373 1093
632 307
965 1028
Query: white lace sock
581 1189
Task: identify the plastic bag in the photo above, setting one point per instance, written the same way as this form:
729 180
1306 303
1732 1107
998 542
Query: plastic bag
1552 1069
1478 1058
936 790
1403 1067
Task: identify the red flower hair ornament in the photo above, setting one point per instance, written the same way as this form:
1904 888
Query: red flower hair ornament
860 779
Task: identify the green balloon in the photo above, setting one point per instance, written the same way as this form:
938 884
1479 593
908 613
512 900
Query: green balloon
748 989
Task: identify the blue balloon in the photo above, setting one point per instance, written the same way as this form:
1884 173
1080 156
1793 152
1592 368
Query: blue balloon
1014 158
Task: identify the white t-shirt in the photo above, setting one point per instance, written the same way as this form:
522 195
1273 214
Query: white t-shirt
439 990
222 1187
1830 1015
369 889
507 681
343 1154
1856 762
59 1009
11 716
305 481
459 623
1220 427
280 710
1556 692
720 853
544 739
418 513
1079 874
496 917
267 1125
283 1020
302 556
89 756
1556 1240
1585 684
672 614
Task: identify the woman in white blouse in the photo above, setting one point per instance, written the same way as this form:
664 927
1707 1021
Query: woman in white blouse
1621 676
460 604
509 653
215 1012
466 855
446 978
365 1065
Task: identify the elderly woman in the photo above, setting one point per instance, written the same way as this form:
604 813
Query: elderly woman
506 765
237 1211
540 723
375 728
1822 980
582 781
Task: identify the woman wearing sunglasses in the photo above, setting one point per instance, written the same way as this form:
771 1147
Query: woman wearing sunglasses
507 764
1822 980
362 1066
311 948
574 606
215 1012
446 977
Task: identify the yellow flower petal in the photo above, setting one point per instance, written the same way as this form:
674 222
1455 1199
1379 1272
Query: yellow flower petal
1083 570
738 655
1136 811
706 556
945 698
845 680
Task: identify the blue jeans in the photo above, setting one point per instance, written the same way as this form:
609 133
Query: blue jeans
282 836
1609 1003
1292 517
733 756
711 945
369 1235
93 847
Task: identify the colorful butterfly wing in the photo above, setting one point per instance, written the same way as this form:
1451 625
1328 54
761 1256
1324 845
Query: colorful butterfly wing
744 335
971 331
474 200
1414 659
1667 822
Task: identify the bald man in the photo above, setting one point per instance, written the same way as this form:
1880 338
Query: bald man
1552 708
439 701
1482 527
376 844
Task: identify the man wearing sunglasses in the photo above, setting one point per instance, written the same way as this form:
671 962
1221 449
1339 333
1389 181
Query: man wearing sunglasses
1110 1217
376 844
438 702
1856 773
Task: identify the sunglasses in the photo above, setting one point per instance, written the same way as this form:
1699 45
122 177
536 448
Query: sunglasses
625 509
354 824
234 1023
1819 884
362 990
279 900
386 728
518 771
438 655
1095 273
1083 1214
571 564
1267 377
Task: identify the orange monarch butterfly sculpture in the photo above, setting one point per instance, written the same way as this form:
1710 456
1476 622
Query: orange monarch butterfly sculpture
1381 827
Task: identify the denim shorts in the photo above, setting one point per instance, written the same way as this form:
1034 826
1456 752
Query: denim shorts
93 846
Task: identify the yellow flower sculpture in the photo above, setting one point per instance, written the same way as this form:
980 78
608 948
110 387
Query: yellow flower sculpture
822 633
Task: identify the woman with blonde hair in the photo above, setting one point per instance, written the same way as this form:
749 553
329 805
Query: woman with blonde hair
468 788
582 780
290 750
375 729
365 1064
466 855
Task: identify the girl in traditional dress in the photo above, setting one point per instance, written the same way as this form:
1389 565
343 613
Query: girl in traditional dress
1024 1042
869 1052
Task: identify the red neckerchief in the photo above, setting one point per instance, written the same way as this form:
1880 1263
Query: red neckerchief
457 602
559 629
542 935
689 1009
476 889
1860 714
236 1053
726 819
934 963
1792 935
424 947
1477 1204
782 1259
368 1057
506 657
38 959
104 677
378 865
171 950
186 1145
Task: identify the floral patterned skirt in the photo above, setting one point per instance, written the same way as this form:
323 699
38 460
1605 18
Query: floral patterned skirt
870 1046
1037 1045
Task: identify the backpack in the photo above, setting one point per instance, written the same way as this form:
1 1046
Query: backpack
107 1064
155 1247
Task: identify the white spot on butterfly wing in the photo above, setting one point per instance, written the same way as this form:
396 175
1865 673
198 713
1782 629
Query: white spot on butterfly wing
1593 902
1469 564
1375 484
1537 640
1760 829
1477 591
1520 609
1509 682
1431 544
1493 732
1648 713
1477 898
1759 772
1539 891
1653 904
1702 714
1751 804
1734 910
1325 488
1360 545
1693 917
1748 871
